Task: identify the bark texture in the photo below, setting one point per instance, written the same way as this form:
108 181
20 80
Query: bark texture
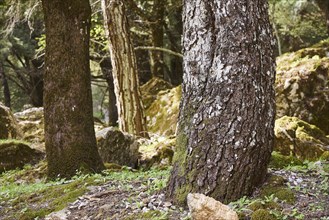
69 131
125 74
225 130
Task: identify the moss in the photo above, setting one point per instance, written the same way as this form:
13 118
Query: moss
112 166
282 193
262 214
325 156
280 161
264 205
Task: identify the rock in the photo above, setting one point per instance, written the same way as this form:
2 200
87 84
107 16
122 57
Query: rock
203 207
302 85
162 114
15 154
150 90
117 147
8 124
31 122
299 138
158 151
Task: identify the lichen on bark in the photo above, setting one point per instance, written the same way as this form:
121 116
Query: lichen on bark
227 108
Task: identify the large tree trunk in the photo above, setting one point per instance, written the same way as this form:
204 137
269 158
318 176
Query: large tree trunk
6 91
69 129
225 131
106 67
125 75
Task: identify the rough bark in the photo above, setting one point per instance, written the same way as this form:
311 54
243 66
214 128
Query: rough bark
6 91
225 130
106 67
69 131
125 75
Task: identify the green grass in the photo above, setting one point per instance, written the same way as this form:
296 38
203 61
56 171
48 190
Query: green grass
26 193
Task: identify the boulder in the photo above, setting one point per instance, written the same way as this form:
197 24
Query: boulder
15 154
299 138
8 124
203 207
302 85
156 151
150 90
31 122
162 114
117 147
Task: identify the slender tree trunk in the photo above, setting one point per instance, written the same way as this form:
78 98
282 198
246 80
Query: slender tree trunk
6 91
225 130
107 72
176 28
125 75
69 128
157 33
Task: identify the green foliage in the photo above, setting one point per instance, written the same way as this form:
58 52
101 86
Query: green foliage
299 23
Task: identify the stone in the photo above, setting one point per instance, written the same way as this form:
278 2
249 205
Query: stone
300 139
15 154
162 114
150 90
302 85
117 147
156 152
203 207
31 122
8 125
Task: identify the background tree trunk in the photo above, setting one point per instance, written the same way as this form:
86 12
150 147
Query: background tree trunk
106 67
69 132
157 33
225 131
324 6
6 91
125 75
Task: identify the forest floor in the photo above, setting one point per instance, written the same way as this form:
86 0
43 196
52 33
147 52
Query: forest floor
295 192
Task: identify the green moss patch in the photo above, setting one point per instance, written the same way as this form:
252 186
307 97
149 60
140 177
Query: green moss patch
280 161
262 214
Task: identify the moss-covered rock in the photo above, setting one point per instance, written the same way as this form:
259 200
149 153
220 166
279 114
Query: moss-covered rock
262 214
271 205
275 186
325 156
302 85
32 124
299 138
280 192
150 90
162 114
15 154
117 147
280 161
158 151
8 124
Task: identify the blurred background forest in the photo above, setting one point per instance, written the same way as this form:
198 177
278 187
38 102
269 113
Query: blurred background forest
156 30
